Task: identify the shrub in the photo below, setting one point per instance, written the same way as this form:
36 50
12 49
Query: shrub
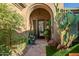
4 50
50 51
10 21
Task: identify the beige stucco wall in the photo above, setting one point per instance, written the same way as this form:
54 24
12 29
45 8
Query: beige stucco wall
32 6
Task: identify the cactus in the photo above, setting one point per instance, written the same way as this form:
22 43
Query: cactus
65 25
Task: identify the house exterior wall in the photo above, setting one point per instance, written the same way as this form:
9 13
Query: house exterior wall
32 6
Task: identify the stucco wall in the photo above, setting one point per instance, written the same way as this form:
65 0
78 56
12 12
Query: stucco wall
32 6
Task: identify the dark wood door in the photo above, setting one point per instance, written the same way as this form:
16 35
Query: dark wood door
41 28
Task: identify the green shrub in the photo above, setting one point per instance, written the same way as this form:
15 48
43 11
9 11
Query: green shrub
50 51
10 21
74 49
18 39
4 50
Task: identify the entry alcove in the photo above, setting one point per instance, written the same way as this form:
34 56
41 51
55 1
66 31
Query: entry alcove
38 19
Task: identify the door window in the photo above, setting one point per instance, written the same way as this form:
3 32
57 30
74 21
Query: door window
41 28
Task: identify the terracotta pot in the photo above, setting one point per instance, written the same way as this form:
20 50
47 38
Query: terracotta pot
73 54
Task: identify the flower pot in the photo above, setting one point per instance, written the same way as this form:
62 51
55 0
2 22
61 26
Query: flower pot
73 54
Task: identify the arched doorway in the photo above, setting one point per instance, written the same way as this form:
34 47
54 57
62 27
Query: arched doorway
40 14
39 19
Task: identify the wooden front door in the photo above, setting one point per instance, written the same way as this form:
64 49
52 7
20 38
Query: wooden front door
41 28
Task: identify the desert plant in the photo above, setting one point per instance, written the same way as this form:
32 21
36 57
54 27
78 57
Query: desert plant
65 22
66 28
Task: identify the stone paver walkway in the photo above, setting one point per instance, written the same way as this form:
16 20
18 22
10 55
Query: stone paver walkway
38 49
